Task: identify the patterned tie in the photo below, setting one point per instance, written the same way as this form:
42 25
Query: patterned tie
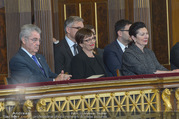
35 59
75 49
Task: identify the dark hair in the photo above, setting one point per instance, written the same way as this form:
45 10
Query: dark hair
133 30
83 33
120 25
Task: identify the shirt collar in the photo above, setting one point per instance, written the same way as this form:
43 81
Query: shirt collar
26 51
70 42
121 45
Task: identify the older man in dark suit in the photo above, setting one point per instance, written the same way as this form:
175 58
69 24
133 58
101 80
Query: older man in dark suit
113 52
67 48
27 66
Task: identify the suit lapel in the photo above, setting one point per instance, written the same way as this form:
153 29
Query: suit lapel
116 44
67 48
30 60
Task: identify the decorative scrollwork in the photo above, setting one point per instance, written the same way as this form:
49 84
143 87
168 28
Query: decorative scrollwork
1 106
166 98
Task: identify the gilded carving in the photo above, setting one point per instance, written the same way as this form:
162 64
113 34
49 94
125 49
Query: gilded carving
28 104
1 106
27 107
166 98
41 105
177 98
11 107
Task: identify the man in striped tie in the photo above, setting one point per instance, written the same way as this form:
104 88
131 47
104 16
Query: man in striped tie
27 66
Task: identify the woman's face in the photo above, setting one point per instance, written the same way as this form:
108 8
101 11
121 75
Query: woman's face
88 43
142 37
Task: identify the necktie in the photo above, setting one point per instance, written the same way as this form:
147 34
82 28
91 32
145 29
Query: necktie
36 61
125 48
75 49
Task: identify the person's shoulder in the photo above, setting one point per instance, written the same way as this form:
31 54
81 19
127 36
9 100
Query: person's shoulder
100 50
77 57
148 50
176 46
16 56
111 45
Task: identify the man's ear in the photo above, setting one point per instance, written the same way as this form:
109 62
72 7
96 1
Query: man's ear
68 29
23 40
119 33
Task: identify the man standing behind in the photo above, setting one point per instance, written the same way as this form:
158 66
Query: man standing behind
27 66
67 48
113 52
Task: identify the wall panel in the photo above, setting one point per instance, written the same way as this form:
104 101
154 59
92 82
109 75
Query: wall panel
3 46
174 19
102 23
93 12
159 31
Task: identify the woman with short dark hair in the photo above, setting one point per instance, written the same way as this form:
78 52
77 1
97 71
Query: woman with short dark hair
86 63
138 59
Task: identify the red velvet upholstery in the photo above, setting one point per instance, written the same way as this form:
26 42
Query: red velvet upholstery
90 80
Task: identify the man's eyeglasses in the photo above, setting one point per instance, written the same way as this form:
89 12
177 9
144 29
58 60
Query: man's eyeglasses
35 40
76 27
90 39
124 30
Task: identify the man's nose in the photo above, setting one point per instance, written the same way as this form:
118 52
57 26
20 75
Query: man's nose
38 42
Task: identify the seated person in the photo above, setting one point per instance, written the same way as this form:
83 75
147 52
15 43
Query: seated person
97 51
86 63
174 57
138 59
113 52
27 66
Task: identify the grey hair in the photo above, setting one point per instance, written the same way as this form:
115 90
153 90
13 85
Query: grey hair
27 29
70 21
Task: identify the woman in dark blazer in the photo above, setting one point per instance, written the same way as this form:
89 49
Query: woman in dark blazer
86 63
138 59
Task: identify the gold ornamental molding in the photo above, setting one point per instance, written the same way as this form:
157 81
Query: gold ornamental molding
64 9
130 101
96 23
168 31
91 85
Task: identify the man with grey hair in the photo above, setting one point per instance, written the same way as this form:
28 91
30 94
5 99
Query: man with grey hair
27 66
67 48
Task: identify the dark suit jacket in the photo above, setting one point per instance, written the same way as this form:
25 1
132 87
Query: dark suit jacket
81 68
174 56
100 52
136 62
112 57
63 56
24 70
